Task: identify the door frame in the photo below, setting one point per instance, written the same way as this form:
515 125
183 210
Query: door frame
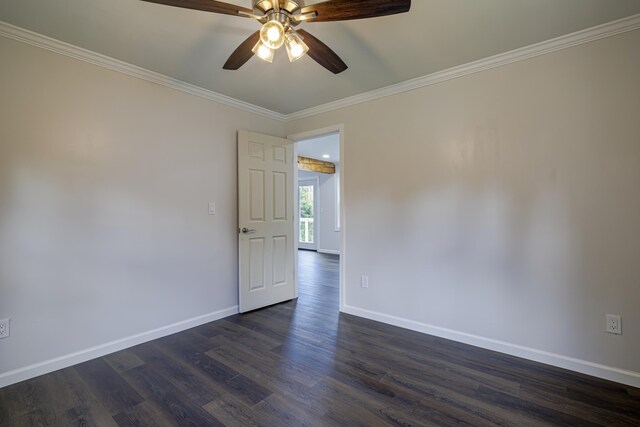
335 129
316 205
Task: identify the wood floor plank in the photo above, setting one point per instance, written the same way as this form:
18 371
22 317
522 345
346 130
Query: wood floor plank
145 414
88 409
286 412
576 408
284 383
175 406
450 375
529 409
59 398
344 401
123 360
248 390
197 358
85 416
460 402
236 332
190 383
235 354
18 400
233 412
114 393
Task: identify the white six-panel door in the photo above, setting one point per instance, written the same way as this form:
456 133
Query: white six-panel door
265 220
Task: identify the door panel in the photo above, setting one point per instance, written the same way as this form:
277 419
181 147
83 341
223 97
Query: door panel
256 195
280 196
265 213
279 260
256 263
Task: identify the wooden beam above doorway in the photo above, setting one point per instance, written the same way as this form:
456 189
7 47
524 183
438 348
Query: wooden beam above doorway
313 165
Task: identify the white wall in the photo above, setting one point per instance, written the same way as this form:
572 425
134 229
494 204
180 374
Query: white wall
505 205
328 236
104 185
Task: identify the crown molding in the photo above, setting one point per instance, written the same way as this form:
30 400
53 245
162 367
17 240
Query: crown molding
57 46
563 42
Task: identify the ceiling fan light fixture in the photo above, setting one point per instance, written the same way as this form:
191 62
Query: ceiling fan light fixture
272 34
263 52
296 48
278 18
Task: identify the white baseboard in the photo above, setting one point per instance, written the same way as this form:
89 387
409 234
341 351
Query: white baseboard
594 369
37 369
329 251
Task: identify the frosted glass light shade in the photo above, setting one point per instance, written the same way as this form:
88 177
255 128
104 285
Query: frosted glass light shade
263 52
296 48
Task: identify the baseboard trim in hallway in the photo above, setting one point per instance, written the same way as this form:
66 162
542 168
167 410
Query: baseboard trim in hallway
51 365
577 365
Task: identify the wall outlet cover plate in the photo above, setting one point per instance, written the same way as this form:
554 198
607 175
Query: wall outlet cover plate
4 328
614 324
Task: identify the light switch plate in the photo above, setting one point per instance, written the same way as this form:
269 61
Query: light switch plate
212 208
364 281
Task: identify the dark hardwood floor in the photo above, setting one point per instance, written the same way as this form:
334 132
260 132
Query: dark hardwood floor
300 363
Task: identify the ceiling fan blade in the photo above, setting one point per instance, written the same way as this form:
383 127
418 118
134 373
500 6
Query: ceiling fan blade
243 53
322 54
340 10
206 5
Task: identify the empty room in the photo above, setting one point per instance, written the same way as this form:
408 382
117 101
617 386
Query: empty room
319 213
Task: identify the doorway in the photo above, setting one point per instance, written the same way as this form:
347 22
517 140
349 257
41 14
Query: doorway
319 213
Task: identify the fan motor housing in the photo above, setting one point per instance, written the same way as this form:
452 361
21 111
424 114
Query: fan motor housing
290 6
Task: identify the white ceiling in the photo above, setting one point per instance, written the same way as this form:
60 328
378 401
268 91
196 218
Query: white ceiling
192 46
315 148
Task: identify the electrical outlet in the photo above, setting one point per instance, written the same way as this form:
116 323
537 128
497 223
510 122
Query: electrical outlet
364 281
4 328
614 324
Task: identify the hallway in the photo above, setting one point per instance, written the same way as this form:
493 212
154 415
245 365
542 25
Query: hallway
319 279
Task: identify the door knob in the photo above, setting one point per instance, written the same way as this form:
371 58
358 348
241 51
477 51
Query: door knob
246 230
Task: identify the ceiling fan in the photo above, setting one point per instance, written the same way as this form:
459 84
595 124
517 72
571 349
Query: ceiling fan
279 19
